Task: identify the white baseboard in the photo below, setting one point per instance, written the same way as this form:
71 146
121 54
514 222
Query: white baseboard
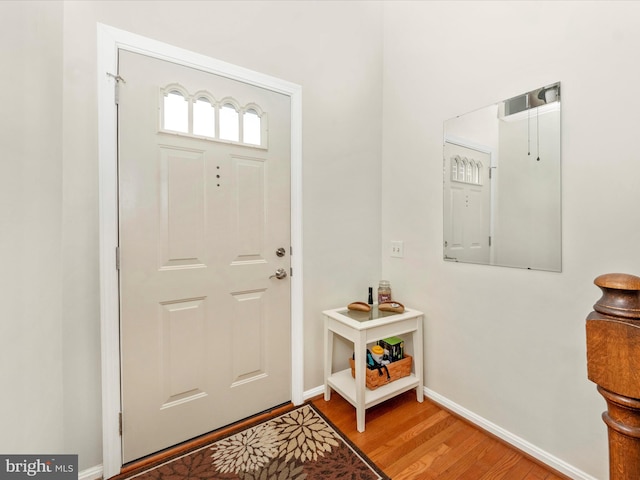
93 473
510 438
306 395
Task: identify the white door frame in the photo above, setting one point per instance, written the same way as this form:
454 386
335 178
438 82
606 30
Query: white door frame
109 41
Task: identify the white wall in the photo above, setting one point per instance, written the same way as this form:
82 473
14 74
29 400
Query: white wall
31 338
509 344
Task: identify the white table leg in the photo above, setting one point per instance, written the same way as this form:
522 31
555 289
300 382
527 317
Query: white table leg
418 359
328 358
360 347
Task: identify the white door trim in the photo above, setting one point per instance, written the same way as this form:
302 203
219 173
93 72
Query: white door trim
109 41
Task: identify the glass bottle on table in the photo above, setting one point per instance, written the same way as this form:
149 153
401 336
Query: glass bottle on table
384 291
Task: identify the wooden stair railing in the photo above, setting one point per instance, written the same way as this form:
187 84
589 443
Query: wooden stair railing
613 363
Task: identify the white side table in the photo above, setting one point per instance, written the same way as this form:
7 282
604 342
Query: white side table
364 328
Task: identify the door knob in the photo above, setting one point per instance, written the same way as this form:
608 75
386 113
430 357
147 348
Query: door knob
280 274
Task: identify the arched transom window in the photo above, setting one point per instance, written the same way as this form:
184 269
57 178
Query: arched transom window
466 170
201 115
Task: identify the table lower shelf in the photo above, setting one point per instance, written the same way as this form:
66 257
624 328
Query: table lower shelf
343 383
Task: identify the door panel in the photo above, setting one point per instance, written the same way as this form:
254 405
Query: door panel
205 333
248 353
182 207
248 207
183 350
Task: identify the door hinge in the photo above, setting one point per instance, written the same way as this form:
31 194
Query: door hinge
489 240
291 271
120 423
117 258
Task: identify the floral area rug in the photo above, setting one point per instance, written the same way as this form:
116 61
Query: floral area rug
300 444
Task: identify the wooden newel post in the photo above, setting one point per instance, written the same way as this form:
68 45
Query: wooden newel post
613 363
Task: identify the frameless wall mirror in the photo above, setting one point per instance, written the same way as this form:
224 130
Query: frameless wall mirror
502 183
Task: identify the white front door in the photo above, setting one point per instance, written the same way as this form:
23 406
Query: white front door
467 204
204 222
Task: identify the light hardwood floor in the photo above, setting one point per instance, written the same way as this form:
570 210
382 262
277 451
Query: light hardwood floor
411 440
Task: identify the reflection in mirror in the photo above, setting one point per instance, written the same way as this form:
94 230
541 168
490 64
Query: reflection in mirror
502 183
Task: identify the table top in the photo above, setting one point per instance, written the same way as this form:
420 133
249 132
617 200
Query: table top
375 317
